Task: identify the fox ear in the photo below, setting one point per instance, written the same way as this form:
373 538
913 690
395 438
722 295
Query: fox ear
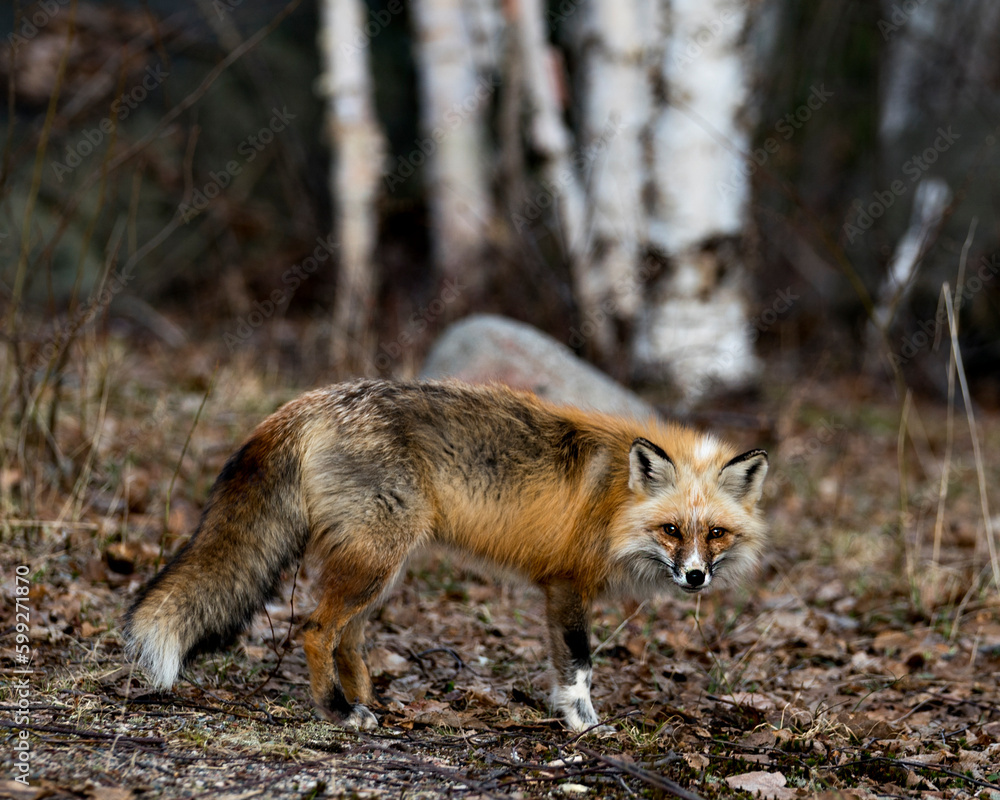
743 477
650 470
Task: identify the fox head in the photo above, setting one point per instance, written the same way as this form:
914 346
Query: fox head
693 520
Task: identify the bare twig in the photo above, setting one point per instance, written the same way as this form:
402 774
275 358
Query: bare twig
36 178
913 766
285 645
419 657
617 630
911 576
130 152
644 775
177 469
85 733
51 523
950 423
974 432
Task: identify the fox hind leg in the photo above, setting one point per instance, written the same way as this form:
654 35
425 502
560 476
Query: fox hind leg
334 635
350 661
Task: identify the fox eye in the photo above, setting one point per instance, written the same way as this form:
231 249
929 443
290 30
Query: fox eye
672 530
717 533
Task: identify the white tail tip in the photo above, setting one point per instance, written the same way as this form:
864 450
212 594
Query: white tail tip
158 652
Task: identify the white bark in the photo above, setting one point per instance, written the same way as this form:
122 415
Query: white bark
904 68
929 205
359 151
639 176
698 140
485 25
454 102
549 135
694 325
613 41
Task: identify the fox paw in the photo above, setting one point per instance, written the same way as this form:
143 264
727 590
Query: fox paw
601 731
360 719
572 701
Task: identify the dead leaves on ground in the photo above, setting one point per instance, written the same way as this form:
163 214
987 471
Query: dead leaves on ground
774 694
833 676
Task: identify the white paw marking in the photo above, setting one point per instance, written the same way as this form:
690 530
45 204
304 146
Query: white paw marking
573 702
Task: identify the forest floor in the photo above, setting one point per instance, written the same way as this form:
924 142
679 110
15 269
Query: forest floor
863 661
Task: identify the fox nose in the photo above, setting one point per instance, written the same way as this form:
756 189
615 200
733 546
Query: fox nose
694 577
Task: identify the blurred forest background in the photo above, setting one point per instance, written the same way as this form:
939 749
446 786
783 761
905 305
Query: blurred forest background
674 189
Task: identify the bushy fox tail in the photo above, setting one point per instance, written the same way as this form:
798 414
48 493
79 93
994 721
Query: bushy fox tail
253 528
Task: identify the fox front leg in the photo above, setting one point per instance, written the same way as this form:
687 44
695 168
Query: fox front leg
569 634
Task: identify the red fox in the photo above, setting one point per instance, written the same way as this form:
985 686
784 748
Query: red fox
354 477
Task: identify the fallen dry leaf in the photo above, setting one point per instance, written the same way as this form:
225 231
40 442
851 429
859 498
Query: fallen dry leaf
767 785
863 726
696 760
16 790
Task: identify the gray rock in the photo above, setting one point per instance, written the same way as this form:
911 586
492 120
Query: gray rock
484 348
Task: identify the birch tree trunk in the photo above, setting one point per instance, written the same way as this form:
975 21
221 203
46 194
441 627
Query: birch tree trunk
455 98
657 135
548 133
694 322
613 43
359 150
930 201
936 95
629 174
